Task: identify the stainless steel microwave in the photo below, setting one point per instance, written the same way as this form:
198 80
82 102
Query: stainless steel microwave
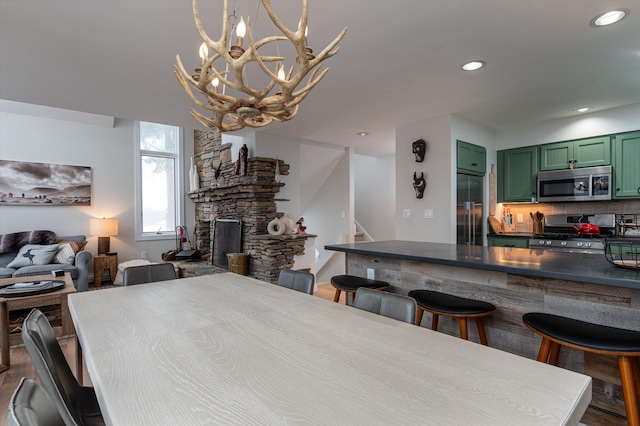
585 184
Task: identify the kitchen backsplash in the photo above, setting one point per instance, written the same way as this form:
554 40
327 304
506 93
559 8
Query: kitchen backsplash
594 207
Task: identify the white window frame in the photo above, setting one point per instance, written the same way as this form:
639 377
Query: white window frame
179 186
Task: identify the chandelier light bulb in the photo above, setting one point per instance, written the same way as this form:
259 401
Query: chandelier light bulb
203 52
241 30
215 82
281 73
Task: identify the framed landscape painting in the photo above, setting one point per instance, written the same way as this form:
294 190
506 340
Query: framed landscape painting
43 184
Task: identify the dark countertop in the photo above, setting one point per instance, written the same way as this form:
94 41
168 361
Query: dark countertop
588 268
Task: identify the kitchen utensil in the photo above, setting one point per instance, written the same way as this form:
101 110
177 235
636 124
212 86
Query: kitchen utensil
496 226
588 229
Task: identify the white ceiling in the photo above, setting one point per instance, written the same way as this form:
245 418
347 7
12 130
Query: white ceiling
398 64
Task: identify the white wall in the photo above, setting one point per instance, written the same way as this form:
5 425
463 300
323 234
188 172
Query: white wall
109 152
287 150
439 170
324 218
616 120
375 203
316 188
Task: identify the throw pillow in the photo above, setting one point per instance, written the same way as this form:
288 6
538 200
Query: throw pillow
65 254
76 246
34 254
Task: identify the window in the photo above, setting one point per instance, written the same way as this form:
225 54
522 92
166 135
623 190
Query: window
158 180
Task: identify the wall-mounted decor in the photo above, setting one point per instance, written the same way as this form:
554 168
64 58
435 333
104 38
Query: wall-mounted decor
43 184
419 184
419 148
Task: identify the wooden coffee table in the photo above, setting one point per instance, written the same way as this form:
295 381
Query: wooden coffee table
58 297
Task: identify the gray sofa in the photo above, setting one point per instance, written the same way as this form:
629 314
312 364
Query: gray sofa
79 268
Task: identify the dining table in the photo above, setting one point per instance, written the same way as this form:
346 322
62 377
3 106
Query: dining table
230 349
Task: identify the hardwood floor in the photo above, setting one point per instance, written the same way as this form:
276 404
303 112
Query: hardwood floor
21 366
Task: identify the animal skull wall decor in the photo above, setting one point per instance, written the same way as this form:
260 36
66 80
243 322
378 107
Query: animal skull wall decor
419 148
419 184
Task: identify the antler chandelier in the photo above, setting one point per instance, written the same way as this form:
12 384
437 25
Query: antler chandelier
278 101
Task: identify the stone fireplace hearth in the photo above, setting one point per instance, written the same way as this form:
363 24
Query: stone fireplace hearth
249 198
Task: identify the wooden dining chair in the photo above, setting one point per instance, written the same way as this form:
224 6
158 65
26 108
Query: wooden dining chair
150 273
31 406
297 280
396 306
76 404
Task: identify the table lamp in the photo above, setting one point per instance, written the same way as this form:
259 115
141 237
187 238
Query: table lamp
104 229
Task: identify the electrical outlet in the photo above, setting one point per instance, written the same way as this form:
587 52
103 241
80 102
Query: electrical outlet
406 214
520 218
428 213
343 214
143 255
371 273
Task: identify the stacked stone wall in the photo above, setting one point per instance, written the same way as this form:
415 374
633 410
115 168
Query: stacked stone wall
250 198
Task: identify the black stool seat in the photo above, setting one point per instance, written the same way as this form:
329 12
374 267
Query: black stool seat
557 331
351 282
450 304
584 334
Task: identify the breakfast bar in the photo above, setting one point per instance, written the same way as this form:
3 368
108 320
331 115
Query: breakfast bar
516 281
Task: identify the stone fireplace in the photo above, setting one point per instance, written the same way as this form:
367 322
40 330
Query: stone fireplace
250 198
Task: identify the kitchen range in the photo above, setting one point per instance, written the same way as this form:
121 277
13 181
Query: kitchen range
575 233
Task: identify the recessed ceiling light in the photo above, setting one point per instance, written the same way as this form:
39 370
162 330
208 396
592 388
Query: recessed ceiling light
473 65
608 18
362 134
583 109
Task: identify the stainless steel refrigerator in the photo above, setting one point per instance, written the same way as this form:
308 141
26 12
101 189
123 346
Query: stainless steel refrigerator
469 209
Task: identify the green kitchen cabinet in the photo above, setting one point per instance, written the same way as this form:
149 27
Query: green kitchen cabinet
471 159
500 241
626 165
516 175
581 153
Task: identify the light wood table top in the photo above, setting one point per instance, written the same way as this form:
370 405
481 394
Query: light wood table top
228 349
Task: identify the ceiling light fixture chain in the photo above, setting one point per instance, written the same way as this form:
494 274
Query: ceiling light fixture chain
261 106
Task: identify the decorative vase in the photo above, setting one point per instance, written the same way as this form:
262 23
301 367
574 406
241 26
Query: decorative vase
289 223
194 180
276 227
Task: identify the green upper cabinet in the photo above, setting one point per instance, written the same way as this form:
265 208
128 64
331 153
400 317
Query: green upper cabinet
581 153
517 171
471 159
626 166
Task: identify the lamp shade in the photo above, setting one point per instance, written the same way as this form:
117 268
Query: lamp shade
103 227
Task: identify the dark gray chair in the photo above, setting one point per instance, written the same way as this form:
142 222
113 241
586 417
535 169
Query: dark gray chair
31 406
148 273
396 306
76 404
297 280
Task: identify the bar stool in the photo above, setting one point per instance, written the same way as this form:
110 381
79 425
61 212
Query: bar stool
350 284
452 306
559 331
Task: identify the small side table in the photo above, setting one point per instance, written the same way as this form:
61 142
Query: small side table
102 262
